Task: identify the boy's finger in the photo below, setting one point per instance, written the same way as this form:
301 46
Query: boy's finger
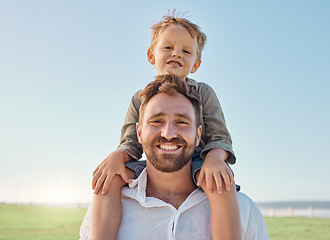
95 178
99 184
96 169
225 178
208 178
200 178
218 182
230 174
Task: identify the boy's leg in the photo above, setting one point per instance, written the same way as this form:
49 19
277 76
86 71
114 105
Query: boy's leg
107 211
225 215
136 166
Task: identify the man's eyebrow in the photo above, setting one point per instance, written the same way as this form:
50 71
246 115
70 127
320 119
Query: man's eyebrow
160 114
184 115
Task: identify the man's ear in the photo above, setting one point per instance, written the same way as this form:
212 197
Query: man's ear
196 66
138 132
198 135
151 57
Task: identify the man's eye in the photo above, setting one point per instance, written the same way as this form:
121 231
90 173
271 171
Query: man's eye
183 122
155 121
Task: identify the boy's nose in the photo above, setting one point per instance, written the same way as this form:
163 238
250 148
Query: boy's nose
176 53
169 131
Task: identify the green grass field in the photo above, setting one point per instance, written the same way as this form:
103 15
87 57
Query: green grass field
51 223
292 228
39 223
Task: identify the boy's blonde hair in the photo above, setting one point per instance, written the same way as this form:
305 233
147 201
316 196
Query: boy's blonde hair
170 20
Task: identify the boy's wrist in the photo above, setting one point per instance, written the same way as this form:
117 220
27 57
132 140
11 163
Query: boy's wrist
124 155
219 152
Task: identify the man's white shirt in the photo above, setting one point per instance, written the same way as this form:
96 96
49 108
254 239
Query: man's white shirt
151 218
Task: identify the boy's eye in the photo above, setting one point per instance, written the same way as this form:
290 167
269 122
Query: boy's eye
167 47
186 51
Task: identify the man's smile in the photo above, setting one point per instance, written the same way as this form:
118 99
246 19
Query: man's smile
172 145
169 147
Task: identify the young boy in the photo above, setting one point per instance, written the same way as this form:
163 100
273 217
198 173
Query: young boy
176 46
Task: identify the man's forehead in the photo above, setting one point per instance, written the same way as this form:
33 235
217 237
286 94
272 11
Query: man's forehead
175 114
163 104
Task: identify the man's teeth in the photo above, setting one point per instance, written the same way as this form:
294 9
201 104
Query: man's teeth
168 147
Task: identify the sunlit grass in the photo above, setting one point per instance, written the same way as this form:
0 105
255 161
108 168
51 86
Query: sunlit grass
293 228
35 222
53 223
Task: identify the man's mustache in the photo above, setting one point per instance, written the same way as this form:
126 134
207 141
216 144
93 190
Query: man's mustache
175 141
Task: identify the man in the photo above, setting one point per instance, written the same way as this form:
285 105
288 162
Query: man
164 203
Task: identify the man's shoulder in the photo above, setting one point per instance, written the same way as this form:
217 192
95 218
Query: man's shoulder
251 218
243 199
248 209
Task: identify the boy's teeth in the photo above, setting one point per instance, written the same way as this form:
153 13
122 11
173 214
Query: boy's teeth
167 147
174 64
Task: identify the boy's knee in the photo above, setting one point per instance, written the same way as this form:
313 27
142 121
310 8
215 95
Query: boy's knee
117 183
130 173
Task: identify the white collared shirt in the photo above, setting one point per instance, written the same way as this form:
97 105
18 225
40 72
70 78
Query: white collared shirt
151 218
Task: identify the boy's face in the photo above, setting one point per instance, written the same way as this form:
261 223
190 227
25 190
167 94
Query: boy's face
175 52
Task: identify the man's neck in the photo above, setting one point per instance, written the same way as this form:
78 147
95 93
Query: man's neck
172 188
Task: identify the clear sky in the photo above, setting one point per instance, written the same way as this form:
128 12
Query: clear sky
69 68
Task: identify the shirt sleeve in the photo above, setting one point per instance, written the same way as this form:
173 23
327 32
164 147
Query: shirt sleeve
85 231
128 140
256 227
216 132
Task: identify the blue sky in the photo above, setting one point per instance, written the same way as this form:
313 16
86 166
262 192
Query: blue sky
69 68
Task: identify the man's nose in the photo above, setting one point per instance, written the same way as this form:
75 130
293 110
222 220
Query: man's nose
169 131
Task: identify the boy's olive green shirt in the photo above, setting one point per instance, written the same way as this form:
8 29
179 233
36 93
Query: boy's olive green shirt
214 130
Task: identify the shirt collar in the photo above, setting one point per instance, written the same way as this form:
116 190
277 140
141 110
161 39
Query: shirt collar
137 191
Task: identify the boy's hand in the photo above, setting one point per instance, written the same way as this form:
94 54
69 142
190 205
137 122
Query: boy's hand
215 167
104 173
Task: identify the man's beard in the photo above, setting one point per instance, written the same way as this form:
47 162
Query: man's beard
169 162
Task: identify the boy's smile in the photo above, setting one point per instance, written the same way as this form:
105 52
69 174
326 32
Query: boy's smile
175 52
174 63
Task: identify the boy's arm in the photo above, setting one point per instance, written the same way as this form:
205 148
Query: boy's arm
128 140
216 132
129 149
217 140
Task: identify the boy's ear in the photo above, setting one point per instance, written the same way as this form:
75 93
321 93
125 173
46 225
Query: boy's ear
196 66
138 132
151 57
